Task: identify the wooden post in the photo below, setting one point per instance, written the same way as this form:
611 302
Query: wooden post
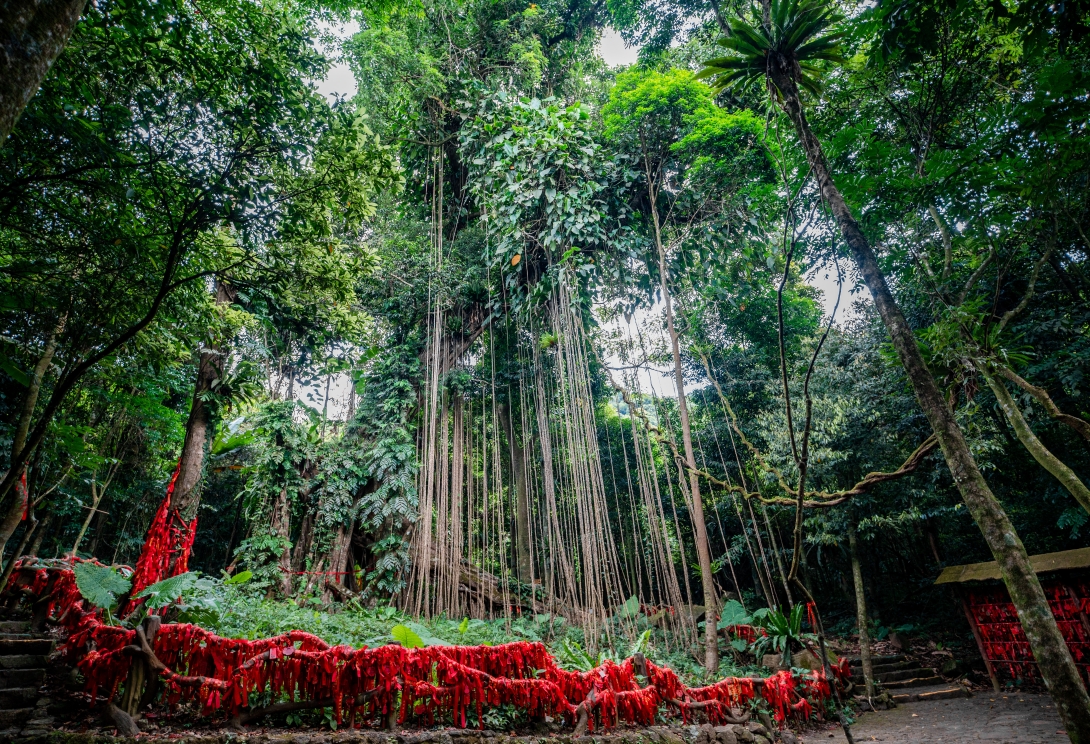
1078 610
1081 615
979 640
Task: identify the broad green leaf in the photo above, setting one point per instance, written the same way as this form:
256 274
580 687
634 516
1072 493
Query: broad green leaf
406 637
240 578
100 585
734 614
426 636
162 593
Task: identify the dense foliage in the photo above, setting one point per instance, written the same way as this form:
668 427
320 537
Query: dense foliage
403 258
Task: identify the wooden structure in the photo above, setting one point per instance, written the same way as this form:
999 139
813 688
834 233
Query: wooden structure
1065 577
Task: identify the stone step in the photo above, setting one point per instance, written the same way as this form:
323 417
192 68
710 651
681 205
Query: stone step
922 697
914 682
23 661
16 716
14 626
898 675
855 661
17 697
17 636
21 678
894 667
25 646
901 674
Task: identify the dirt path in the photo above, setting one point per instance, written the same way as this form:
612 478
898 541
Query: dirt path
986 717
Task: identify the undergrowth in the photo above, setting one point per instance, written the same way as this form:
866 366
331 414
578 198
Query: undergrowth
235 610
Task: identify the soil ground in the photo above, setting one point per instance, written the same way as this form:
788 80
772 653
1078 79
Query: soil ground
1017 718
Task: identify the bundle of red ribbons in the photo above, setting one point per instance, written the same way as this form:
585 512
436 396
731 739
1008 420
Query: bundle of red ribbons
1004 641
449 683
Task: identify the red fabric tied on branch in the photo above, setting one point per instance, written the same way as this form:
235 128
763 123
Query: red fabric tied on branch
167 546
1005 643
220 674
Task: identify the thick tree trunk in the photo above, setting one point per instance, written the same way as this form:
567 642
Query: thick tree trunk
1053 657
703 549
15 510
861 613
302 545
338 559
281 527
32 35
186 497
31 526
1044 457
198 427
522 503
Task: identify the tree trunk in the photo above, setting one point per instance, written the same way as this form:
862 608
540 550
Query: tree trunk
338 559
1053 657
39 535
198 427
28 532
703 550
16 508
861 613
97 492
522 503
302 545
185 496
32 35
281 527
1044 457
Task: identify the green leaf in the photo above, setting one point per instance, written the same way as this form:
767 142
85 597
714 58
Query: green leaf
640 646
739 644
13 371
404 635
734 614
464 626
162 593
630 608
425 635
100 585
240 578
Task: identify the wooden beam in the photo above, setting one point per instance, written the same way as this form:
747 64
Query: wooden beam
979 640
989 571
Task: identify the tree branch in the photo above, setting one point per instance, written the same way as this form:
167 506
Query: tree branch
1042 397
